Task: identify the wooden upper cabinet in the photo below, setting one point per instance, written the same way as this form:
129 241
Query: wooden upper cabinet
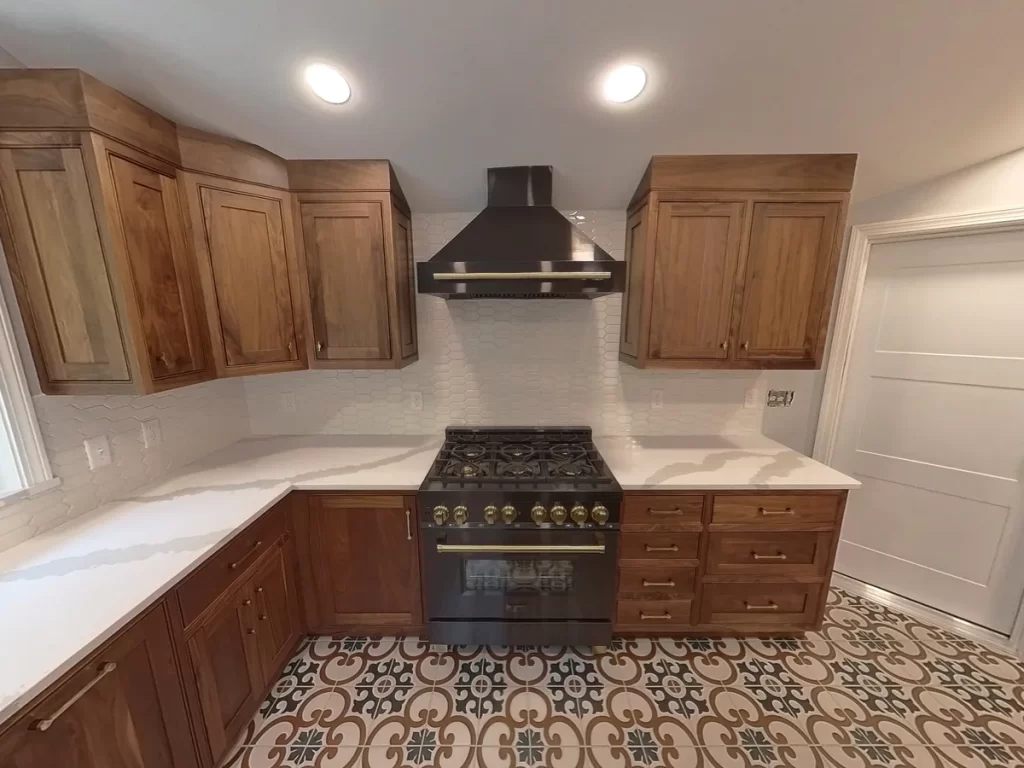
695 258
347 274
787 281
356 243
148 214
124 708
740 270
364 555
60 270
244 245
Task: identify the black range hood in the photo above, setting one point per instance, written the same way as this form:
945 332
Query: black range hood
520 247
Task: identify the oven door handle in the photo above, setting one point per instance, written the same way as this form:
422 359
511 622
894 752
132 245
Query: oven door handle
525 549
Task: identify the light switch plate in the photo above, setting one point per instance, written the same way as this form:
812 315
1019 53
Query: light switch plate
97 450
288 402
152 435
657 399
416 401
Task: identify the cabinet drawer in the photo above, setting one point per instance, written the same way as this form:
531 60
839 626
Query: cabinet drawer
654 579
659 545
662 510
226 568
771 510
652 615
782 554
756 605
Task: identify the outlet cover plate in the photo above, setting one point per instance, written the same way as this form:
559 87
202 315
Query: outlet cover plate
152 435
288 402
97 450
657 399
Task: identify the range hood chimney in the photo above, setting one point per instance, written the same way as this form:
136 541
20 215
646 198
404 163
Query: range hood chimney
519 246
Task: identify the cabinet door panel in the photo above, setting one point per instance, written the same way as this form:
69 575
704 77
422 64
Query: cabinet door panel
277 611
58 263
344 245
789 266
245 237
149 214
366 558
694 277
405 283
131 712
227 668
632 299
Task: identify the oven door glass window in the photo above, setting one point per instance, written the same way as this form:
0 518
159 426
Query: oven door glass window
518 577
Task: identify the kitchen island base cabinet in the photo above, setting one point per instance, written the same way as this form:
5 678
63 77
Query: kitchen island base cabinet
124 708
363 550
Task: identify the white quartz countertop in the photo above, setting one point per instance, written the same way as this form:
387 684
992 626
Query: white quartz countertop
714 463
64 593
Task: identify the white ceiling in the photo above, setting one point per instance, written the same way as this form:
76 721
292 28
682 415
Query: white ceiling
445 88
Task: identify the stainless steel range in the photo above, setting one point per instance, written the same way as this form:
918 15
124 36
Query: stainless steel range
520 531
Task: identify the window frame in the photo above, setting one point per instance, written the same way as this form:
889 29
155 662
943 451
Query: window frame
18 422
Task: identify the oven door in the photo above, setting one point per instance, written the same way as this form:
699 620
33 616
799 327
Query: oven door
519 574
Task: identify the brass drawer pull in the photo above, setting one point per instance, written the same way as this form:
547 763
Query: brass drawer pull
779 556
664 512
234 566
774 512
755 607
670 548
408 525
44 724
655 616
647 583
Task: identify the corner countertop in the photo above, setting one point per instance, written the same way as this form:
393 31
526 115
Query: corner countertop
64 593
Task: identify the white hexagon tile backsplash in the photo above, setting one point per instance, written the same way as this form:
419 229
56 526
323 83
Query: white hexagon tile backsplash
497 361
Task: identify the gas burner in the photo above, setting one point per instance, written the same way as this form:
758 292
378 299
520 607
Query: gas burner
569 451
572 469
517 452
518 469
464 470
469 451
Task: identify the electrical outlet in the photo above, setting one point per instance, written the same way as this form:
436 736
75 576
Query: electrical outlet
288 402
152 436
657 399
780 398
97 450
416 401
750 401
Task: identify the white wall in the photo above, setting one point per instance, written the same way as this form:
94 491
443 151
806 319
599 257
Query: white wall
497 361
993 185
8 61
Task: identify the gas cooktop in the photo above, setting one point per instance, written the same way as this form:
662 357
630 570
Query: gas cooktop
518 458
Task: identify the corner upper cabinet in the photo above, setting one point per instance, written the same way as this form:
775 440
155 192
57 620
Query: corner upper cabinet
93 231
733 259
356 244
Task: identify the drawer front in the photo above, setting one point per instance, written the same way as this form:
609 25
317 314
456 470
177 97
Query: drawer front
671 509
757 605
656 579
778 510
226 568
777 554
659 545
652 615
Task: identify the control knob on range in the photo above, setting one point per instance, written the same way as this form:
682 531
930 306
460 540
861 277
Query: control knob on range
460 515
440 514
491 514
539 514
508 514
599 514
579 514
558 514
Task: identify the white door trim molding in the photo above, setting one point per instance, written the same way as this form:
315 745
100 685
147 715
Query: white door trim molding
924 613
858 256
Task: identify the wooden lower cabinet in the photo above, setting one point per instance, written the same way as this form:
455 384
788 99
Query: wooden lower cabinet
276 605
726 562
123 708
364 556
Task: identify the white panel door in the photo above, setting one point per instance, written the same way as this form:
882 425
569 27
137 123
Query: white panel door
933 425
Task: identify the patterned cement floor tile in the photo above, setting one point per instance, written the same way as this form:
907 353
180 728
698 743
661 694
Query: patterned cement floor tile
871 688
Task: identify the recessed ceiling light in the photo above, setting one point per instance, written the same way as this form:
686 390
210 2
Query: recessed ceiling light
328 83
624 83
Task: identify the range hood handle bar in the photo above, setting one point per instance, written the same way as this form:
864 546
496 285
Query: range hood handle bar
467 276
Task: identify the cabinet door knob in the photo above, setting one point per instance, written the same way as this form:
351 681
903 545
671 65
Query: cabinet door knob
252 631
319 347
247 602
745 345
259 590
263 617
725 345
